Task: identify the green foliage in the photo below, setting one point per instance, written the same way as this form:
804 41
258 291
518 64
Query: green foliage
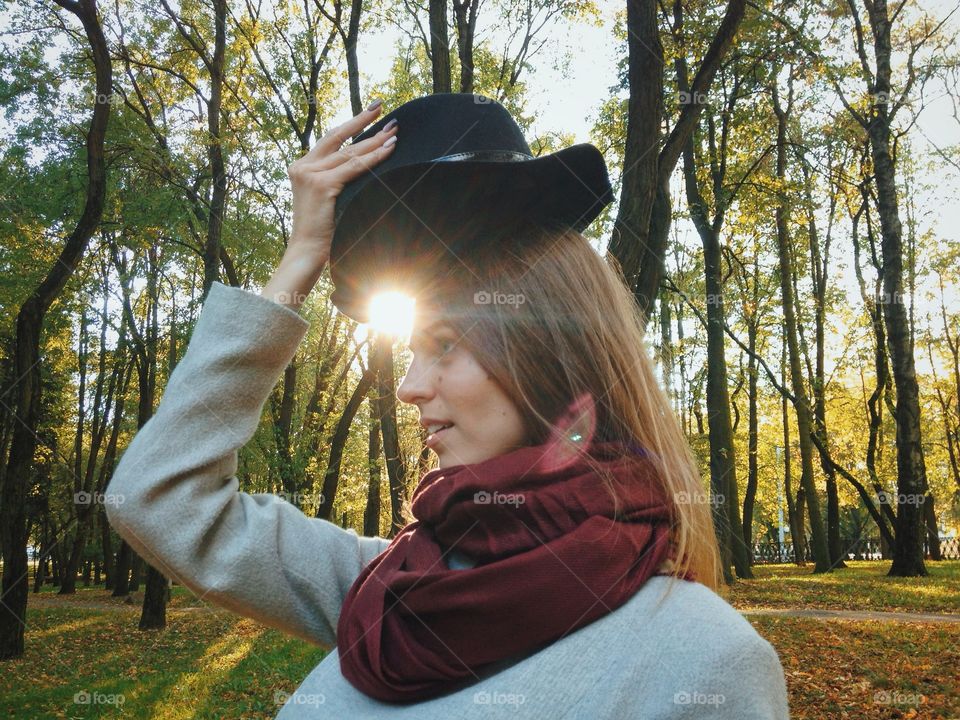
159 190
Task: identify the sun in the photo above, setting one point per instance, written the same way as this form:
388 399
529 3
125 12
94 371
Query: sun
392 313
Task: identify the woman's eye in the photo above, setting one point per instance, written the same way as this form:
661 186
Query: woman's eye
446 346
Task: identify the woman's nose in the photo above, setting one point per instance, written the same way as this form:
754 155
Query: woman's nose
415 386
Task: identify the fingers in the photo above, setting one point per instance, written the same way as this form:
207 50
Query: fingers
333 140
360 163
363 147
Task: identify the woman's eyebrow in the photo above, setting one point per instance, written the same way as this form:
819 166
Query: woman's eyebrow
430 332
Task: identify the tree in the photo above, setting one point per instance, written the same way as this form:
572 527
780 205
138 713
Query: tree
821 554
639 238
708 222
912 473
29 327
215 62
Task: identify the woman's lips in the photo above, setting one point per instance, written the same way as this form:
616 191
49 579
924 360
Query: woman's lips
435 437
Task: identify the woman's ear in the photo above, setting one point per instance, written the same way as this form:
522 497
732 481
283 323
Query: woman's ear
572 433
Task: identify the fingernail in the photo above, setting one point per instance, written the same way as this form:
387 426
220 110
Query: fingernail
374 105
390 141
390 124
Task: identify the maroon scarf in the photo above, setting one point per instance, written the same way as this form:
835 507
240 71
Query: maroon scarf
550 557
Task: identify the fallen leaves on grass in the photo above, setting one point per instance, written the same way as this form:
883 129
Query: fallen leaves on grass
863 585
867 670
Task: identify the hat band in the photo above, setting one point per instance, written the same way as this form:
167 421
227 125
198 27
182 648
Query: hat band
497 155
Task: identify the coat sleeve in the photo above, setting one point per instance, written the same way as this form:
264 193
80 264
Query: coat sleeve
174 496
746 684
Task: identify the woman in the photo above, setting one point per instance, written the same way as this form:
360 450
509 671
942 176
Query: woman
561 561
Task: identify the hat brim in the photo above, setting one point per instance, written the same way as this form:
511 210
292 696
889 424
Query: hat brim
408 222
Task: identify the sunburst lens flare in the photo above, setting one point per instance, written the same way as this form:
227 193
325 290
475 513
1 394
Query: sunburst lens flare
392 313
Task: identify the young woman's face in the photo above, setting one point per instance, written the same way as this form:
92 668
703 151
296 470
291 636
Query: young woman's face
452 391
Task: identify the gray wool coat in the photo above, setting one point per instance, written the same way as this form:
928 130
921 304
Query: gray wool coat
674 650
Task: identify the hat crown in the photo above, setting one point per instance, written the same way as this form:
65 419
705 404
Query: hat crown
460 177
445 124
447 127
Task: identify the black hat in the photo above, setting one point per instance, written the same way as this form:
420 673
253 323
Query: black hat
461 174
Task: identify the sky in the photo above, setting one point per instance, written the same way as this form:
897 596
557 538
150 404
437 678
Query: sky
569 101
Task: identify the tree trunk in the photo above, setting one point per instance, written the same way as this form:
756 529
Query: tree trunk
819 266
106 546
145 345
86 492
875 401
106 468
27 358
465 16
439 46
371 514
723 471
40 572
338 441
68 583
353 65
666 343
794 509
630 242
156 594
933 532
282 422
387 410
753 474
877 120
821 552
218 172
121 577
639 243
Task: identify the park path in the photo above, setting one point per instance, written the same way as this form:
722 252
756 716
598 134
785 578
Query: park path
819 614
810 613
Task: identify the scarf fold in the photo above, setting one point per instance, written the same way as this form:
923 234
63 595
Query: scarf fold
551 553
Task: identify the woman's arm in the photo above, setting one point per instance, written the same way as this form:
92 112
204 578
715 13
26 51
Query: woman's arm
294 277
317 180
174 495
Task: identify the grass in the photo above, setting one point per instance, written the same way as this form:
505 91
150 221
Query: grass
863 585
203 665
180 598
867 670
213 664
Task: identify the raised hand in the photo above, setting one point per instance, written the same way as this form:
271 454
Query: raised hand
317 179
319 176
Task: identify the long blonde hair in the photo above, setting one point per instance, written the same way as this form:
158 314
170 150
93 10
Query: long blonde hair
551 320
